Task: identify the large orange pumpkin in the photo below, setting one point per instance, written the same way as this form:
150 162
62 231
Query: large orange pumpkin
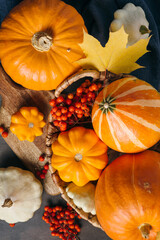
128 197
39 43
79 156
126 115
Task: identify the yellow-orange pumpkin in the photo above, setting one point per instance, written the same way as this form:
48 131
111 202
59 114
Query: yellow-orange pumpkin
128 195
79 156
27 123
126 115
39 43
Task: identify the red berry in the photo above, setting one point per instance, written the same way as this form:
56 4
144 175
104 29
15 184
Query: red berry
84 106
69 114
62 214
46 208
90 88
79 111
54 109
68 101
77 228
89 99
1 129
86 114
84 85
41 158
71 108
87 82
79 115
12 224
59 119
46 214
53 233
70 96
89 95
64 117
71 226
64 110
83 100
52 228
78 94
79 90
67 212
46 166
94 87
44 171
4 134
86 90
63 124
56 123
70 221
87 109
54 116
42 176
52 102
58 113
99 85
71 215
60 99
78 104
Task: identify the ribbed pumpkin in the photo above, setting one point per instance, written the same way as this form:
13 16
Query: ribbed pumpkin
39 43
128 197
126 115
79 156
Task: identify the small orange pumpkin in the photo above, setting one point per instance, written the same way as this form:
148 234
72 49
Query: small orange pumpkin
39 43
27 123
79 156
126 115
128 195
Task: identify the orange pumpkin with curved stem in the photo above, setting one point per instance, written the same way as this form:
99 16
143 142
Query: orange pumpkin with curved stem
128 195
126 115
39 43
79 156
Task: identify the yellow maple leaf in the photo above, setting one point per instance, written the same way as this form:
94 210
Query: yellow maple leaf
114 57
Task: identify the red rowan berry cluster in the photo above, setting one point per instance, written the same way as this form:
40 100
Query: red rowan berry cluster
74 107
3 132
41 174
62 222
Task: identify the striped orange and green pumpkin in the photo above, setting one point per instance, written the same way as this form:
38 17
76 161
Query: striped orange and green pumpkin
126 115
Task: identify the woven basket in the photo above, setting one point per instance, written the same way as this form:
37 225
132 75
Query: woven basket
53 132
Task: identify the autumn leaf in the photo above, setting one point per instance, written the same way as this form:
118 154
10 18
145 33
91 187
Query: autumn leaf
115 56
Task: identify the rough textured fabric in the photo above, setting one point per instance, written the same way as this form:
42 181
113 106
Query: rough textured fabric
98 14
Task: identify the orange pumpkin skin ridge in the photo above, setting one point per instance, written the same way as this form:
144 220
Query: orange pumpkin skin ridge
23 63
92 152
134 115
127 195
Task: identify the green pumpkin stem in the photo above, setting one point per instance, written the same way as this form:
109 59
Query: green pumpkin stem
143 29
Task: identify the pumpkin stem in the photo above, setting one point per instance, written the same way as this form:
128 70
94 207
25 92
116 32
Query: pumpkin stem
7 203
143 29
145 230
42 41
78 157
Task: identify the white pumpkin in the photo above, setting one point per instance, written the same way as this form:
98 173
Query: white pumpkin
134 21
20 194
83 197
